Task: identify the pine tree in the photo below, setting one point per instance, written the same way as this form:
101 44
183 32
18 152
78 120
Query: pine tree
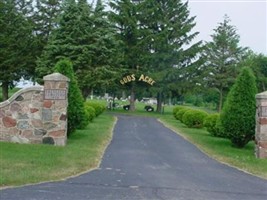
84 37
222 56
167 29
105 56
124 16
16 42
46 19
156 37
238 114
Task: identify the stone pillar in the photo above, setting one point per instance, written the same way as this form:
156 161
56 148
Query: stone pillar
54 111
261 125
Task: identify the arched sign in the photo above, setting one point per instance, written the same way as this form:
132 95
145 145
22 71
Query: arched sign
132 77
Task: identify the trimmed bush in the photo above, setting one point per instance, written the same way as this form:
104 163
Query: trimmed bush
194 118
210 123
176 109
99 108
180 113
219 128
238 114
90 112
76 112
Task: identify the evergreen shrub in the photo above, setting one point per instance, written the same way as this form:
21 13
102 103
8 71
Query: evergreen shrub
219 128
238 114
90 111
210 123
76 112
180 113
176 109
194 118
99 108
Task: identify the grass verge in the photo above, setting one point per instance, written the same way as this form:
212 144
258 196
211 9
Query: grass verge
220 148
27 164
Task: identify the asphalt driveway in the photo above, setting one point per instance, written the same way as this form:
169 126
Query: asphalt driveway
145 160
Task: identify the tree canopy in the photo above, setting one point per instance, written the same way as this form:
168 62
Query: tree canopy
153 38
16 42
87 40
157 38
222 58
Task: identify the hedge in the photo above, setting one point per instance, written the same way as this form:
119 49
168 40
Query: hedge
180 113
194 118
210 123
90 112
99 108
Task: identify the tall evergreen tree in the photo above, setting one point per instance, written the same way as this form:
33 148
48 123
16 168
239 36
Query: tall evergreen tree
222 55
156 37
16 42
105 57
124 16
59 41
46 18
83 37
166 27
238 114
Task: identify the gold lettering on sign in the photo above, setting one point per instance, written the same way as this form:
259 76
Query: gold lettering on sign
146 79
127 79
143 78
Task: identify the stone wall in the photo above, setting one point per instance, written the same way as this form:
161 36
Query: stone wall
261 126
37 114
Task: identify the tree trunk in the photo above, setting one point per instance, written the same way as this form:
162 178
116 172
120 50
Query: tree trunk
5 90
86 92
159 102
132 99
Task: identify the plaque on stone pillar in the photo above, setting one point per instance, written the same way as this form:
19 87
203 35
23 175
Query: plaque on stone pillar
263 111
55 94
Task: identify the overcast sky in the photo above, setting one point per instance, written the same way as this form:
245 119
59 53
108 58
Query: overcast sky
248 16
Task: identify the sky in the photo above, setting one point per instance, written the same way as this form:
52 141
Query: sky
248 16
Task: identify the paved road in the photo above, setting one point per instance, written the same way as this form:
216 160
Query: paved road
147 161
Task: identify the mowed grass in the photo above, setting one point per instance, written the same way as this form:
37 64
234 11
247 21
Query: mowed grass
220 148
28 163
24 164
217 148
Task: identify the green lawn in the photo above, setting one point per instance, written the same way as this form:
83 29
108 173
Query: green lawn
217 148
10 93
220 148
24 163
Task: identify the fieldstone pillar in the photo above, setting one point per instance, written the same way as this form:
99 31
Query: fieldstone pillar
54 113
261 125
